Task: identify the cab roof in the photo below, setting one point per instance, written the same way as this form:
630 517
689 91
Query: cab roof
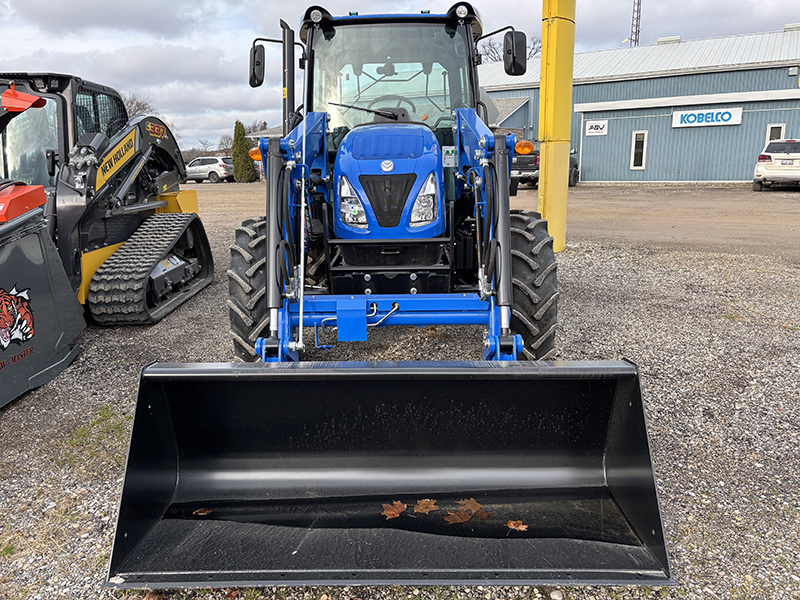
472 17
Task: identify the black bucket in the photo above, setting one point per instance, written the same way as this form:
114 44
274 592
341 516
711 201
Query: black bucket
39 313
326 474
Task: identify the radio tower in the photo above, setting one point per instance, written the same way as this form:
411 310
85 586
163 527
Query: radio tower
637 17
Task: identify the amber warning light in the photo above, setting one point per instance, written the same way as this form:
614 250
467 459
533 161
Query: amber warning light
523 147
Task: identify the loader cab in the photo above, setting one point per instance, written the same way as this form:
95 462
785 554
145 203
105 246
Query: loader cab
33 145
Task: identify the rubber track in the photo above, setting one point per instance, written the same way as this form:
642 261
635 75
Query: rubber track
118 290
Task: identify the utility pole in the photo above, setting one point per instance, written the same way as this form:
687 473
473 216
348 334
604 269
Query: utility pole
637 17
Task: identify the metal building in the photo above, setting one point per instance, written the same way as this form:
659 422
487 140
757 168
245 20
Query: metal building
697 110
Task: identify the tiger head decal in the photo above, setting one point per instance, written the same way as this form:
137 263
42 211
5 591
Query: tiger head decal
16 317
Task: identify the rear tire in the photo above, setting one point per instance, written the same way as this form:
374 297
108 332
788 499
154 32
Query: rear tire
757 186
213 177
573 177
534 313
247 302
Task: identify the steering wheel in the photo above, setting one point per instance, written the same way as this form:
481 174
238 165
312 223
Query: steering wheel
399 99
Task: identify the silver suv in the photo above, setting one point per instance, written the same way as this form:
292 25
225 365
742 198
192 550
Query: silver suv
778 163
209 167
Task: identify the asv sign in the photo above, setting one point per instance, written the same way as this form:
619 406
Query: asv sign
707 117
597 127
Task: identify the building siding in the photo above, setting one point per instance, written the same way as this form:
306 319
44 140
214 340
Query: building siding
726 153
723 153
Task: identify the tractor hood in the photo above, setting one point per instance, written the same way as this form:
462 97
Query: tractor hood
387 165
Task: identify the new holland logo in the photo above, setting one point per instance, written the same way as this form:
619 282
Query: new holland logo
116 159
387 166
16 317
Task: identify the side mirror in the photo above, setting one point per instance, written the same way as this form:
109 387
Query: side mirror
515 52
51 157
256 65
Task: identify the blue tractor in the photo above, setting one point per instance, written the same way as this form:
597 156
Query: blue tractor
388 204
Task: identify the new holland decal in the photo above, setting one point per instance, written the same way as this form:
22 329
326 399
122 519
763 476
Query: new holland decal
115 159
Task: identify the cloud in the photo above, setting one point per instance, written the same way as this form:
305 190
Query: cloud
152 16
191 58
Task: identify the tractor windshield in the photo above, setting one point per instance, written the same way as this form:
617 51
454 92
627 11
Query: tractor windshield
24 143
421 67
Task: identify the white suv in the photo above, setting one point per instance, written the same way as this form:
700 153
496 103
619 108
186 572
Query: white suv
209 167
778 163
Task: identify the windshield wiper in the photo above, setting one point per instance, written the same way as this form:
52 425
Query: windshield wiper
382 113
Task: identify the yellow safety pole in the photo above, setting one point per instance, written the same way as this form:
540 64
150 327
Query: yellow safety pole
555 114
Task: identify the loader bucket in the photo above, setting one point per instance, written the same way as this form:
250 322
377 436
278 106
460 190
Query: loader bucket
39 313
327 473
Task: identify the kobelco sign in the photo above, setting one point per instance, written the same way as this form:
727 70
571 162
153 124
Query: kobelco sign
707 117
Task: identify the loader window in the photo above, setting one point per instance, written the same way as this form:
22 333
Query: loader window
423 68
24 143
97 112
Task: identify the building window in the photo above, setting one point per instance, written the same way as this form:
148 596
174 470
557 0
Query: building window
775 131
638 150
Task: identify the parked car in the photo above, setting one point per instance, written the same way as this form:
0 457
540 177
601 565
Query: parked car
526 167
213 168
778 163
229 161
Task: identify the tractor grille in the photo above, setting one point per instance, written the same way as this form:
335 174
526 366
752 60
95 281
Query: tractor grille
388 194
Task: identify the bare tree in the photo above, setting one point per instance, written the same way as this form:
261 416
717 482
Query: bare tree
225 142
492 51
138 104
206 145
534 48
255 126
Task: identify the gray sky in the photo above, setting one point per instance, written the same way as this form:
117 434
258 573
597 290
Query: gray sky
191 58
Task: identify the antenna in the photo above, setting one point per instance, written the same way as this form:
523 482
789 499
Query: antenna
637 17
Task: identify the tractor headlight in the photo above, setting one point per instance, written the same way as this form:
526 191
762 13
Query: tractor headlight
350 207
424 210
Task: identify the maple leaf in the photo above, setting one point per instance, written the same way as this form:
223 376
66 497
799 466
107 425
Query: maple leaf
393 510
461 516
232 594
154 595
425 506
471 505
482 514
516 526
202 512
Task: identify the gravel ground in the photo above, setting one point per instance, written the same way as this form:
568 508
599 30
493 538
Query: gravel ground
716 334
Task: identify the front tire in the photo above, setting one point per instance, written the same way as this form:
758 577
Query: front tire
247 302
534 314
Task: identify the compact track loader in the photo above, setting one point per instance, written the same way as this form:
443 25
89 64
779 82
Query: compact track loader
129 242
388 204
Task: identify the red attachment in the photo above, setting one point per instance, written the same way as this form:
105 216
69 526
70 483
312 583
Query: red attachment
14 101
537 159
16 200
764 158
